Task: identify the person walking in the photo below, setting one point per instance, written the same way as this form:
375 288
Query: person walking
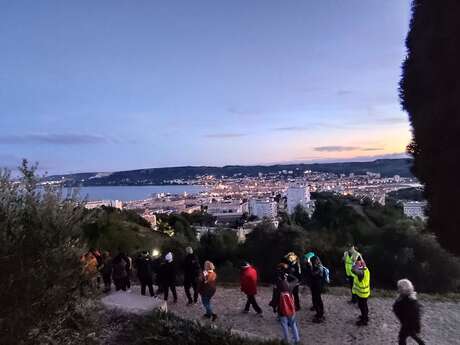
295 271
207 288
191 275
362 289
349 258
316 287
283 303
119 272
408 310
106 271
144 268
248 281
168 276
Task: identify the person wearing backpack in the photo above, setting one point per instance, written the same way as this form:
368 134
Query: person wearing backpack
207 288
408 311
317 281
283 302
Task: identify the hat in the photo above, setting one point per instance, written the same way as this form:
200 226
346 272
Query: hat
169 257
244 264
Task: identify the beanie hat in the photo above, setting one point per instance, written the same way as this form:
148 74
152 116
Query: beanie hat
169 257
244 264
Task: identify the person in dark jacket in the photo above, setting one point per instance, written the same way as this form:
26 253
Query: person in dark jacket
168 277
316 272
106 271
119 272
248 281
144 268
191 275
294 270
408 311
285 283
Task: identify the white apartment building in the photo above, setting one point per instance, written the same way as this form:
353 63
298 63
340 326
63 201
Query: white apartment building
415 209
297 196
227 208
263 208
107 203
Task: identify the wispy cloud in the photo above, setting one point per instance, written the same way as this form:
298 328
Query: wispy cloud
339 148
225 135
335 148
372 149
344 92
393 120
54 139
291 129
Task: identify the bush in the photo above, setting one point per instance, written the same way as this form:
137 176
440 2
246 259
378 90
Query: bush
167 329
39 253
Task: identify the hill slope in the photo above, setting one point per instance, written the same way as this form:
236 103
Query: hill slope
157 176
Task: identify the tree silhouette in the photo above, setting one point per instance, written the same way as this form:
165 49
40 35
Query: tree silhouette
430 93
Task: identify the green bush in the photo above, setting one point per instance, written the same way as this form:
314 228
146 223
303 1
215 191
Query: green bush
39 253
167 329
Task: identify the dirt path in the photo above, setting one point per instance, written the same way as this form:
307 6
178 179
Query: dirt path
441 320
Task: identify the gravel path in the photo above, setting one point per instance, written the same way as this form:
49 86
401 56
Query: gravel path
441 320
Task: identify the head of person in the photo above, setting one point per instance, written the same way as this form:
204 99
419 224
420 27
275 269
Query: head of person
291 257
281 270
209 266
406 288
244 265
360 264
145 253
189 250
315 261
169 257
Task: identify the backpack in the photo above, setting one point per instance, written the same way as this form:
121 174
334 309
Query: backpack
286 304
326 278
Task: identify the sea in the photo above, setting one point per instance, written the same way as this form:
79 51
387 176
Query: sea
128 193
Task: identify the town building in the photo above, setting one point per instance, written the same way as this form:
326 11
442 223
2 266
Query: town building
415 209
263 208
297 195
107 203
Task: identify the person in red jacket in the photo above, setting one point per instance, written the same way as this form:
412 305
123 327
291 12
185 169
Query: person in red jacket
248 280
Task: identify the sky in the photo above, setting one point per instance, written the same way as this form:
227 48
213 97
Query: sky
119 84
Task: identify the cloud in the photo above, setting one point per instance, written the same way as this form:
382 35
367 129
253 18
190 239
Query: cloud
394 120
339 148
290 129
335 148
344 92
224 135
53 139
372 148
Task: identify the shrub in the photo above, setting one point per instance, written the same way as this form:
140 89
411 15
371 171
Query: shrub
39 253
167 329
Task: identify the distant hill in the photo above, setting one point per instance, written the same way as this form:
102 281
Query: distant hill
158 176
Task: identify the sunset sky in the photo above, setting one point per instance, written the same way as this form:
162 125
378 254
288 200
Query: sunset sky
117 85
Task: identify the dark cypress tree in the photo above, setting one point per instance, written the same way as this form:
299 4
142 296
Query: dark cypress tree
430 93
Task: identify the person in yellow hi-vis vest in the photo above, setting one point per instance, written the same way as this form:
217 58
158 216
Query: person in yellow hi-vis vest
349 257
362 289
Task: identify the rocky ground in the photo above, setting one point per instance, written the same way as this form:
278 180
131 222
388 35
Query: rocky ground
441 320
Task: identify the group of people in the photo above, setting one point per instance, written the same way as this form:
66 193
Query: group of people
289 274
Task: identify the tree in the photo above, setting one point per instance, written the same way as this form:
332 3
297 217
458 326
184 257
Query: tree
430 93
39 253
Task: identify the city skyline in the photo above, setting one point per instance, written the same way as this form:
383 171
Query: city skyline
115 86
